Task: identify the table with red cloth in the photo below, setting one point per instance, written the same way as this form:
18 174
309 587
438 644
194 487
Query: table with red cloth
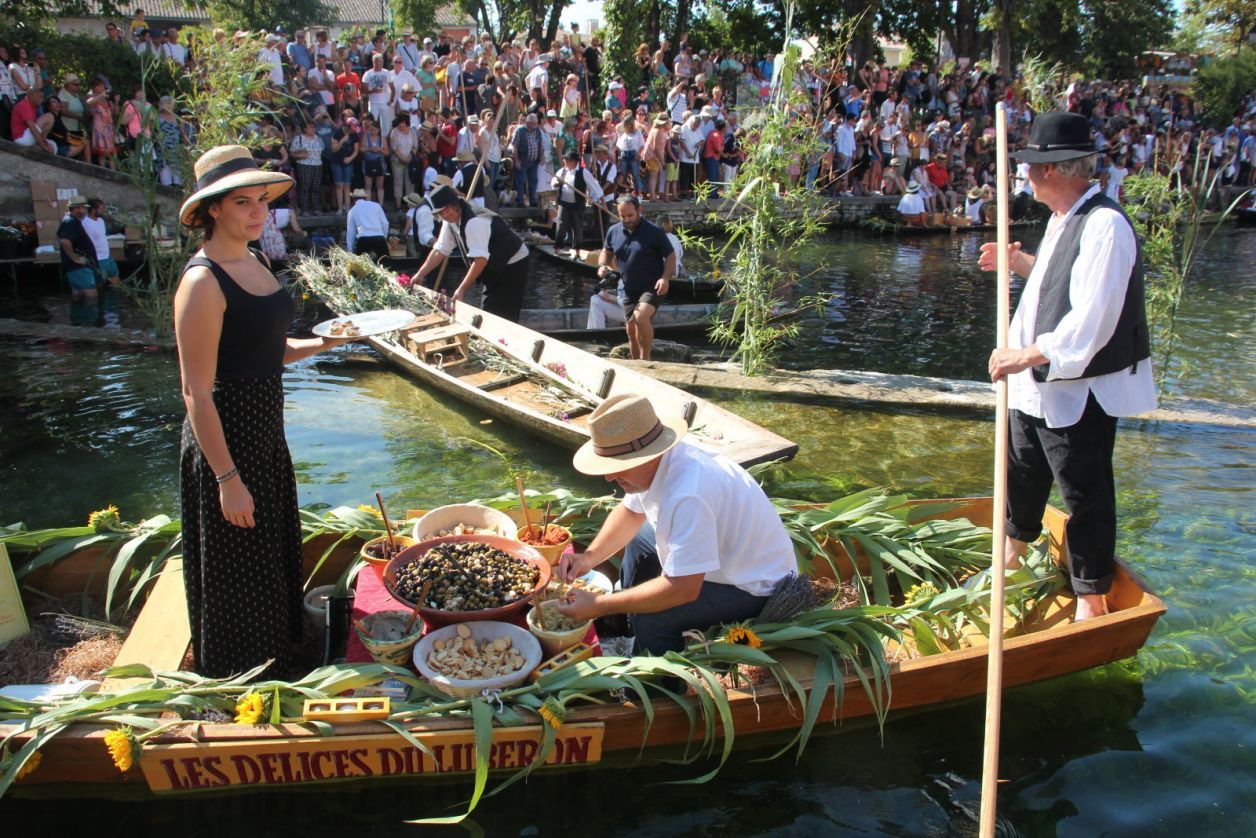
370 597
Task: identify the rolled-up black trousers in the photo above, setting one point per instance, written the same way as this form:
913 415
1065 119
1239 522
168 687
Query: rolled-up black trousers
1078 459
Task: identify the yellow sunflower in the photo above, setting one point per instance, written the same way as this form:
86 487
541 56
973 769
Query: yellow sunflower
249 709
368 509
103 520
743 636
921 593
552 712
31 766
121 748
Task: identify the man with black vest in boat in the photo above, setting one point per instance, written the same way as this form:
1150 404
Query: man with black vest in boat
575 189
497 256
465 174
702 543
646 262
1078 356
606 172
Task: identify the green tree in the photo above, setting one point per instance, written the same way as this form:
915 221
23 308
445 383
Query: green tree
419 15
1221 85
27 12
266 14
1235 17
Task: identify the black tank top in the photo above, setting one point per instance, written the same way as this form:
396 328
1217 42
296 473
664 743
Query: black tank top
254 328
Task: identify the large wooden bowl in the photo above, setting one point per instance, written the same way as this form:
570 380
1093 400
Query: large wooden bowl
505 613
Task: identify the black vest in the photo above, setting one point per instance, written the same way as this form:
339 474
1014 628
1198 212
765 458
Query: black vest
579 191
1129 343
503 242
468 172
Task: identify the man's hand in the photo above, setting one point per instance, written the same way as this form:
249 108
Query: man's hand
1005 362
574 566
581 605
661 286
1017 261
602 271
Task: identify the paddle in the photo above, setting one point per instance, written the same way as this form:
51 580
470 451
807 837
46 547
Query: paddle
599 204
414 615
475 179
523 505
994 655
392 545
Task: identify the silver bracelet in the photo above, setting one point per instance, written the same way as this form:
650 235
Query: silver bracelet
227 475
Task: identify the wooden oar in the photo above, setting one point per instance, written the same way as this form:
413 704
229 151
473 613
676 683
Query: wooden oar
599 204
998 564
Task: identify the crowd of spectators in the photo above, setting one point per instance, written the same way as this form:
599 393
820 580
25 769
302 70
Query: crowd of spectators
390 116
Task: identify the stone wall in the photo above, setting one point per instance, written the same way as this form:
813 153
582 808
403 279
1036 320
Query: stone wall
20 165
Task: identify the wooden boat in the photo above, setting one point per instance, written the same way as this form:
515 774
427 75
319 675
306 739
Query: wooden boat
517 379
585 262
895 229
231 757
570 323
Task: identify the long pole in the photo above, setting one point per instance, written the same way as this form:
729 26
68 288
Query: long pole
994 657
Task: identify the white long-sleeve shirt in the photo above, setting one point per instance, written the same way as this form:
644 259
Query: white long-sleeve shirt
365 219
423 226
1097 293
479 231
565 182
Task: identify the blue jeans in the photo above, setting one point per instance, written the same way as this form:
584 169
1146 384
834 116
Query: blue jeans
630 161
525 180
712 166
663 631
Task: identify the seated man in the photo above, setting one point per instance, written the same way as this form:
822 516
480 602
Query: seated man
604 307
912 207
703 543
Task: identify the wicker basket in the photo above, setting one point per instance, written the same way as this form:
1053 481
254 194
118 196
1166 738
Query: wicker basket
553 642
520 639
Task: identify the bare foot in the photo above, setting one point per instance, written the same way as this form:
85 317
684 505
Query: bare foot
1090 605
1013 553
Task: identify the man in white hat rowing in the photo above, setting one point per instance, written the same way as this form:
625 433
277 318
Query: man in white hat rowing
912 206
702 543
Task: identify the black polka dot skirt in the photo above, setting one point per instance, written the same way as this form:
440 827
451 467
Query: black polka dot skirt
243 585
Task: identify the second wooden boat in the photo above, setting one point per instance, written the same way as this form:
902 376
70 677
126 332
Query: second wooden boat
572 323
584 262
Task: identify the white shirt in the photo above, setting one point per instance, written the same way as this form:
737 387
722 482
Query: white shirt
403 78
846 140
565 182
366 218
538 77
680 253
1022 181
911 204
972 209
270 56
1116 176
711 517
690 143
479 230
96 232
422 225
409 53
1097 292
177 53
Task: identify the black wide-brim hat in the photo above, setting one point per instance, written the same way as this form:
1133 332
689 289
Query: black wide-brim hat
1055 137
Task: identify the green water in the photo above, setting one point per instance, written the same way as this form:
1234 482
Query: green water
1160 745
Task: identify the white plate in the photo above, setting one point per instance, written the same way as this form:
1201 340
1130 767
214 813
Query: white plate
598 579
369 323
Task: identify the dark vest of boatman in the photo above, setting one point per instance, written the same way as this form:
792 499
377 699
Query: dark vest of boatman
1078 356
496 256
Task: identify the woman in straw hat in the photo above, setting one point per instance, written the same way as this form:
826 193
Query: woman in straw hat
702 543
241 530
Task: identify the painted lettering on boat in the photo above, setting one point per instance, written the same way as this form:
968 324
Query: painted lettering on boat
276 762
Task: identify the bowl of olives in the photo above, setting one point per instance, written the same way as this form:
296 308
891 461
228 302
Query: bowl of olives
474 577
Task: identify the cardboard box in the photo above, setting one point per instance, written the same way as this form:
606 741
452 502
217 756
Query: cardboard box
43 190
46 230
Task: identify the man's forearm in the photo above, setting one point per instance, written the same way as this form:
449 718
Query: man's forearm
651 596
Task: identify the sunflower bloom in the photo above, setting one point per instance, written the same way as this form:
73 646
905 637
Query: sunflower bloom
249 709
743 636
31 766
368 509
121 748
921 593
103 520
552 712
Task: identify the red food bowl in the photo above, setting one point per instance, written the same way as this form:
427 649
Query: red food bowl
506 613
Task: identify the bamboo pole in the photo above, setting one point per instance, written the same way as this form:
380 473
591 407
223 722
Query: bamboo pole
994 656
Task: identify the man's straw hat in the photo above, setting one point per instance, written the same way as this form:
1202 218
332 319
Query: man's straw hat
625 433
223 169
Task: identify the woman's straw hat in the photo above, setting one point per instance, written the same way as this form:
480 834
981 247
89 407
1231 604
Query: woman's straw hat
224 169
360 193
413 199
626 432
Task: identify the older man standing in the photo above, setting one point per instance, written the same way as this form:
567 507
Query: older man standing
1078 356
702 543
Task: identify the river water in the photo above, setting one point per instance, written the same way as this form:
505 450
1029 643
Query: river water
1163 744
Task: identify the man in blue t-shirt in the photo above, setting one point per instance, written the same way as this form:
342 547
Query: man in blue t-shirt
646 261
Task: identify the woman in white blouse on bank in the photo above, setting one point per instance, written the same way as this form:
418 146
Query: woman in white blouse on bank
629 141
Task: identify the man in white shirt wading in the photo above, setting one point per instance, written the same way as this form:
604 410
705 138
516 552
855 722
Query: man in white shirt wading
497 256
1078 356
702 543
366 226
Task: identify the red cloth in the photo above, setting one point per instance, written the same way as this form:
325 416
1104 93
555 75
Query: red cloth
370 597
23 116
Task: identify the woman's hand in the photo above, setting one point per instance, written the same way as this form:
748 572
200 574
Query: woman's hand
237 503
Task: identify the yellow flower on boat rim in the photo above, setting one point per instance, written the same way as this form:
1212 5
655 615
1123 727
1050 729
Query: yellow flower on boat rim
31 766
368 509
121 748
552 712
249 709
104 519
920 593
716 274
743 636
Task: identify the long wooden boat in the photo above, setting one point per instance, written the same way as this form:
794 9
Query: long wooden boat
572 323
584 262
521 388
230 757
